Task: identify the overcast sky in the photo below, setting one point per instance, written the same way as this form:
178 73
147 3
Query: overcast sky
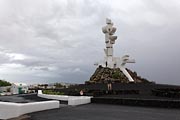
47 41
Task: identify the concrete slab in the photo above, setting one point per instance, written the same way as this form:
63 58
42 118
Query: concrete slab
106 112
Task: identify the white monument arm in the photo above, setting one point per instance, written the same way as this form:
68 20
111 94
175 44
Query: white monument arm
131 61
125 59
126 74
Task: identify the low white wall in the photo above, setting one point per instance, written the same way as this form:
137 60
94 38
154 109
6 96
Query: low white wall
79 100
54 97
11 110
38 106
72 100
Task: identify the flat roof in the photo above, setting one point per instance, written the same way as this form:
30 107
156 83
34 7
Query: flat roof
106 112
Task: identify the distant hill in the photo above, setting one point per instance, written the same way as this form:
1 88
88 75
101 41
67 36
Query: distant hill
115 74
4 83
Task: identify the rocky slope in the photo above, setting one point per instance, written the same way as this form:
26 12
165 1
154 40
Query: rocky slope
102 73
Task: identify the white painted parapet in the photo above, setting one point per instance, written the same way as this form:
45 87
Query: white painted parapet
38 106
80 100
11 110
72 100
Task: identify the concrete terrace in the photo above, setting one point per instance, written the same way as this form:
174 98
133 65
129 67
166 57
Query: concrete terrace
106 112
26 98
94 111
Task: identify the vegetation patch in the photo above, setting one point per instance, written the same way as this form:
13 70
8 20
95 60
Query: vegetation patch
4 83
51 92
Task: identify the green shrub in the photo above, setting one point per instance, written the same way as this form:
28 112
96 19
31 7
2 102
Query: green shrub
116 75
51 92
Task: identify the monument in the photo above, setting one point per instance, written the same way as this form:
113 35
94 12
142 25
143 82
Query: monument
109 60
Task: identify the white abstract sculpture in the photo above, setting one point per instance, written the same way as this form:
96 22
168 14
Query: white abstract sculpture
109 60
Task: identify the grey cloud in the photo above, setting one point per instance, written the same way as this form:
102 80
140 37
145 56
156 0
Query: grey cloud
65 36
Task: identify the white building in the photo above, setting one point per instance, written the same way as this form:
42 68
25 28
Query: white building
5 90
19 88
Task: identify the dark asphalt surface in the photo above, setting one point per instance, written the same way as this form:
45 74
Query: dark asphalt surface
95 111
22 98
129 96
106 112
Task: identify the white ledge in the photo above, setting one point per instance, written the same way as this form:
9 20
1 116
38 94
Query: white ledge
72 100
11 110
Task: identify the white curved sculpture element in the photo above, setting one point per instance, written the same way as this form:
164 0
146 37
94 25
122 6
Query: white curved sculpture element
113 31
125 59
112 38
126 74
104 29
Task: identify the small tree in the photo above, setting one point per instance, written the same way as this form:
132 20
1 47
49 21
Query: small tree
58 85
4 83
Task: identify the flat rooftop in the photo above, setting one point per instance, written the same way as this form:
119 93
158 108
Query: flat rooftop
22 98
106 112
94 111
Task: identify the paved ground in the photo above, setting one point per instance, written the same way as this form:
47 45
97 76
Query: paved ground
95 111
106 112
134 96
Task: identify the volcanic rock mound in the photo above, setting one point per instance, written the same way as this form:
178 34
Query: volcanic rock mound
115 74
